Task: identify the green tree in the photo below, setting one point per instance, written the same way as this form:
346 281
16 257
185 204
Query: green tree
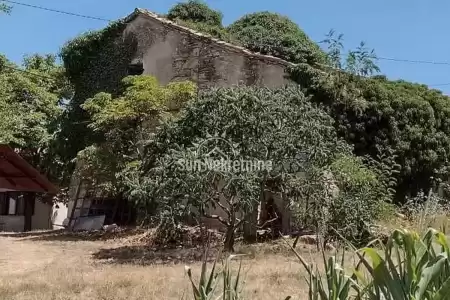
29 109
379 116
195 11
273 34
5 8
197 15
125 123
252 124
359 62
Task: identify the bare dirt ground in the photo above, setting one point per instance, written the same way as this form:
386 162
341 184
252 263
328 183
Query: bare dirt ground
45 266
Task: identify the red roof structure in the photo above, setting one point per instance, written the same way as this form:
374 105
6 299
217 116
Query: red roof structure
16 174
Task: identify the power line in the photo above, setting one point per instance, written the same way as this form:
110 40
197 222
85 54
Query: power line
57 11
440 84
27 72
411 61
108 20
414 61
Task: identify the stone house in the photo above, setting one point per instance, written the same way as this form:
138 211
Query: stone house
170 52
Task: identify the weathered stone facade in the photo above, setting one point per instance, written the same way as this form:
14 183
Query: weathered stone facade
171 52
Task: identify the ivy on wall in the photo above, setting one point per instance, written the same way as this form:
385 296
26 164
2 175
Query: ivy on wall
95 61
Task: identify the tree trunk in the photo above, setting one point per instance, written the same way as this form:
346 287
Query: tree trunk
250 224
228 245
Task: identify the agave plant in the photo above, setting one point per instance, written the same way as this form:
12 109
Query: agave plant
408 267
335 284
207 287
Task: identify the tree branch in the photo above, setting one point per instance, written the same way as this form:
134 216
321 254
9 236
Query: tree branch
239 222
267 222
223 207
218 218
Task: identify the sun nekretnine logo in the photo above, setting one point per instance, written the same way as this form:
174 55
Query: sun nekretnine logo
218 154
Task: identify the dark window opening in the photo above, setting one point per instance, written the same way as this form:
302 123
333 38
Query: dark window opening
136 69
13 204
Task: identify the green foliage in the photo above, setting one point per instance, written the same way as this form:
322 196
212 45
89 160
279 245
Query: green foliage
29 109
207 287
195 11
393 117
262 32
198 16
125 122
252 124
334 283
342 199
357 204
5 8
361 61
94 62
143 98
272 34
78 54
407 267
218 32
358 62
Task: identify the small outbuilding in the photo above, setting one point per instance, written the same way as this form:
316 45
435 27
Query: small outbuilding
20 183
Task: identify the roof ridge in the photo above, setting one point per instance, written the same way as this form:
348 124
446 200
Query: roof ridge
147 13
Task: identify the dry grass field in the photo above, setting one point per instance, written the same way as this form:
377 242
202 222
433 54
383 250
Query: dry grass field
43 266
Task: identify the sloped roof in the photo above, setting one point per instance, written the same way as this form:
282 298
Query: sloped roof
18 175
232 47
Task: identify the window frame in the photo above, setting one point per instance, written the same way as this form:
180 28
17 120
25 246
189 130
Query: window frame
5 198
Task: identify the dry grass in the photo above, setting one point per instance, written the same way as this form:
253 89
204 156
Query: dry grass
42 269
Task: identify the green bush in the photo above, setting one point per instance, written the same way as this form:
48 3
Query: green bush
357 205
261 124
195 11
379 116
273 34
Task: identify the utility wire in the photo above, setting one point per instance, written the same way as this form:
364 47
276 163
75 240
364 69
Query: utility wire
415 61
28 72
58 11
440 84
108 20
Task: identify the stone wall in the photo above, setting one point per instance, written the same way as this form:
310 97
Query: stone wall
173 53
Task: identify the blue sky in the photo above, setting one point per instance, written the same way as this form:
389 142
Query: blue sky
402 29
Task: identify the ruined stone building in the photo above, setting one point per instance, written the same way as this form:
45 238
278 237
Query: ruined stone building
170 52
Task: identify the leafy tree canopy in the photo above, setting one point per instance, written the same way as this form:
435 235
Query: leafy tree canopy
124 123
382 116
29 107
251 124
195 11
276 35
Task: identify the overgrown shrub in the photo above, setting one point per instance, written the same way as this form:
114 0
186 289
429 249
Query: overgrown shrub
125 123
379 116
273 34
357 204
256 124
195 11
